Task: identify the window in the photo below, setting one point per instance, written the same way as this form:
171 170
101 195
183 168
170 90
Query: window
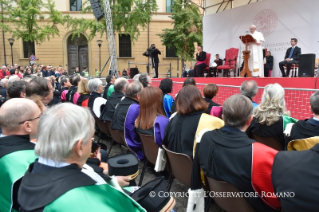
168 6
25 49
170 52
75 5
125 47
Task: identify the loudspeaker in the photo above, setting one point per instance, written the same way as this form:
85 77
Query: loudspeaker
306 65
133 72
96 7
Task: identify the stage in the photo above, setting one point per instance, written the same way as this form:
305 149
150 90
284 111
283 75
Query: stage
297 90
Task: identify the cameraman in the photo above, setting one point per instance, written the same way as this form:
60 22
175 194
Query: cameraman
155 59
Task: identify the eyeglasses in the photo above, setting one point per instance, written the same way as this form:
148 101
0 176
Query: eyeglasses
30 119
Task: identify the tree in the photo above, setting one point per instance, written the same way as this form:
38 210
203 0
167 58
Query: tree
187 30
22 19
128 17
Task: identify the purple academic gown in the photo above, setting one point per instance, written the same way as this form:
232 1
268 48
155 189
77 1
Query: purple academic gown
159 129
131 137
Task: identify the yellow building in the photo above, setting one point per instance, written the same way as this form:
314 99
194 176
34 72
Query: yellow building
61 50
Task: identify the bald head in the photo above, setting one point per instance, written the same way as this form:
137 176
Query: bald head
16 115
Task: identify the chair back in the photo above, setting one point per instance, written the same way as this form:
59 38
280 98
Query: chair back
181 166
150 148
102 126
208 55
229 204
115 134
268 141
230 56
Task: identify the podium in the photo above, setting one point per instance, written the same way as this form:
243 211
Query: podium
246 40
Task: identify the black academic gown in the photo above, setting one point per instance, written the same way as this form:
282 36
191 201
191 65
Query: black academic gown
297 172
180 133
211 104
226 155
304 129
43 184
274 131
109 109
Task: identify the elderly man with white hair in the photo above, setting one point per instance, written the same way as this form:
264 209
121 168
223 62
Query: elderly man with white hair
3 90
96 100
256 59
59 180
19 127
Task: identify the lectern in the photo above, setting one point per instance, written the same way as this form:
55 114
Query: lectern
246 40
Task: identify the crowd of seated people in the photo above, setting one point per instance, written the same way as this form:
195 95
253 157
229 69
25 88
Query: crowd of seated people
55 142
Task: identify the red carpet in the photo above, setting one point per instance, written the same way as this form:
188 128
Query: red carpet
297 90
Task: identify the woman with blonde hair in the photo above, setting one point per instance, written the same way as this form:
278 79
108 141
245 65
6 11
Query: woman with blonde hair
84 92
271 117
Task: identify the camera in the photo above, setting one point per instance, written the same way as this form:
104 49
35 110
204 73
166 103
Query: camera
149 52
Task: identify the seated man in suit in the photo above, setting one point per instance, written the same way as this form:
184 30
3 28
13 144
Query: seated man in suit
291 57
19 127
297 172
269 64
213 69
59 179
120 86
227 154
307 128
126 113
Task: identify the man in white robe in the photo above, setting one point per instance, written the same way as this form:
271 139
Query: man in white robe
256 59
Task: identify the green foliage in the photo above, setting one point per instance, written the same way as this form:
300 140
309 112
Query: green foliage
128 16
25 16
187 29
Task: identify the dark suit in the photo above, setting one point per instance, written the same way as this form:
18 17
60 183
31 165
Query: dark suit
295 57
155 61
219 62
200 67
269 65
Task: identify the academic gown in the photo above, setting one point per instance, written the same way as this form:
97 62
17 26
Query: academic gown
167 104
45 188
211 104
227 154
124 119
112 101
297 172
83 100
304 129
16 154
181 131
158 129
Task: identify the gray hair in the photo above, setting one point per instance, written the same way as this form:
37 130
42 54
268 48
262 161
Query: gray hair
272 105
13 78
144 79
3 82
14 111
237 110
249 88
136 78
93 84
254 26
60 128
119 84
133 89
314 102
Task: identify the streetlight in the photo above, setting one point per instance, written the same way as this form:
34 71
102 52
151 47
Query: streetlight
99 43
11 41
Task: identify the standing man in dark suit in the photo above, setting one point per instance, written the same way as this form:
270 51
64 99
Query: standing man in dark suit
200 65
269 64
292 57
155 59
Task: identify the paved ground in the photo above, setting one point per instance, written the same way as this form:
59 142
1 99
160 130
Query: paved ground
181 202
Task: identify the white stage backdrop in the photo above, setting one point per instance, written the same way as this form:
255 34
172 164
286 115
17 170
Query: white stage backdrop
278 20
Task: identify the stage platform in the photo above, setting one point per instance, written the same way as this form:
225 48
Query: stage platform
297 90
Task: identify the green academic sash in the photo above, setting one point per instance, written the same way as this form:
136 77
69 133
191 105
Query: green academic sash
287 120
12 167
94 198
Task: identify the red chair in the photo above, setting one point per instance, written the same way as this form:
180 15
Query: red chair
207 64
230 60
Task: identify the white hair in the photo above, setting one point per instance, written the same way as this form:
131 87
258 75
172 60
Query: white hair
60 128
93 85
272 105
3 81
254 26
13 78
136 77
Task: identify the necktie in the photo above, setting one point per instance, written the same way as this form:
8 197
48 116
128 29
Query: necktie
292 51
